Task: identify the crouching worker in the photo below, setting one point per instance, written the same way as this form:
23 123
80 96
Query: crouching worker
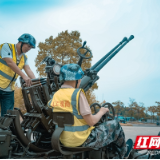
12 61
72 99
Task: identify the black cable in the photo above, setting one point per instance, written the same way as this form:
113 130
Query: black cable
76 83
21 46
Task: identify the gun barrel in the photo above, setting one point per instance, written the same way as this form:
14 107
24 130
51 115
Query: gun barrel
35 80
108 54
40 84
98 68
84 82
38 79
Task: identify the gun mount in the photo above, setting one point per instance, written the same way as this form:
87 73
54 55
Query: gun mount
36 136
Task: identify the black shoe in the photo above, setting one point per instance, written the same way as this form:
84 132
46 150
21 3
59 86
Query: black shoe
129 145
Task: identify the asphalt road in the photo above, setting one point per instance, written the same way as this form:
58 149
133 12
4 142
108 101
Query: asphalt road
133 131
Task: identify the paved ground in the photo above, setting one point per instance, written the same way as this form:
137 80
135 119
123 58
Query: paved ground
133 131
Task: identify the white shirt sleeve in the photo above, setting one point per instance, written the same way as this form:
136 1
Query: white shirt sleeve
26 63
5 51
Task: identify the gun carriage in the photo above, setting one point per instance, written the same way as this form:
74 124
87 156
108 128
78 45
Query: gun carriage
36 136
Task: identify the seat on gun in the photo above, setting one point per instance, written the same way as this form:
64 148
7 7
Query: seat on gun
61 119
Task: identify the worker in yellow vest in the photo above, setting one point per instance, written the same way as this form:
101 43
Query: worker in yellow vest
12 60
71 98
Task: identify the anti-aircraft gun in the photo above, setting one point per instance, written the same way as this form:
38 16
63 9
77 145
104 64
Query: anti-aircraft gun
36 136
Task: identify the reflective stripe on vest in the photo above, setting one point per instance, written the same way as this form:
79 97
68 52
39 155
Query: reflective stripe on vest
75 128
7 75
66 100
3 62
73 102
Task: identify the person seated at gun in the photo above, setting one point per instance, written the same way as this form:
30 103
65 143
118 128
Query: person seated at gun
72 99
12 61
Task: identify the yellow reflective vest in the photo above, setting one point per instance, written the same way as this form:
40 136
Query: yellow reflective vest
66 100
7 75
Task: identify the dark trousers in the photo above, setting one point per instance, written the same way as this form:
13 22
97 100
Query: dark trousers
6 101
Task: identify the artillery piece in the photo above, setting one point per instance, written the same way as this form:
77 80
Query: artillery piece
36 136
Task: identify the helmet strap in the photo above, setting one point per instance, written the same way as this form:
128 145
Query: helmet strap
76 83
21 46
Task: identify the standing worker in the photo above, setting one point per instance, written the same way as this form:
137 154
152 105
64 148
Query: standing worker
12 61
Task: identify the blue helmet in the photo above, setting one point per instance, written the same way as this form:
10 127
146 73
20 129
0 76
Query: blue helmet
70 72
27 38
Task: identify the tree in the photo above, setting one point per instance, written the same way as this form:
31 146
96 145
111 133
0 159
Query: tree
158 108
158 103
125 111
139 109
118 106
152 109
131 107
146 112
63 49
102 102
